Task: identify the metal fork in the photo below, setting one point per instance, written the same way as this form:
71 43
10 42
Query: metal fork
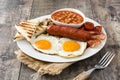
104 62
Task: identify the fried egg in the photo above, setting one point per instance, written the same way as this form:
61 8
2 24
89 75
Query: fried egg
71 48
46 44
60 46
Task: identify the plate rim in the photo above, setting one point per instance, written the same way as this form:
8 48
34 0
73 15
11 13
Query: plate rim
65 59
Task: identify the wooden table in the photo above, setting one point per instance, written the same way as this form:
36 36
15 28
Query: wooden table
106 12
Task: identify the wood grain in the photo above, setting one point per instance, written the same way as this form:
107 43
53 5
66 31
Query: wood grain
11 12
110 20
106 12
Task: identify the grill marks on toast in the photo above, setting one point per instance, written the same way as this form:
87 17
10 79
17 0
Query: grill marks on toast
30 29
27 29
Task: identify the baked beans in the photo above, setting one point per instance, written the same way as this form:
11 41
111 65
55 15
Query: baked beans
68 17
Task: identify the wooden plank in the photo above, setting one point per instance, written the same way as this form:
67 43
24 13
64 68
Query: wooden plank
107 14
45 7
11 12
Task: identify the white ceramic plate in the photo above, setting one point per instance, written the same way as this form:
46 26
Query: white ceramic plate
30 51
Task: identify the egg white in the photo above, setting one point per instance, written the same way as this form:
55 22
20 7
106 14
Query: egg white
57 46
66 54
53 40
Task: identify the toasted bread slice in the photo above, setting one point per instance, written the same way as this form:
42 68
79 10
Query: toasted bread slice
30 29
18 36
27 29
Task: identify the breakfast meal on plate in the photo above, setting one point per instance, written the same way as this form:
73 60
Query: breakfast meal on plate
67 40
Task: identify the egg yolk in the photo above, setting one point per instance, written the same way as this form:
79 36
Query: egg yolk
70 46
43 44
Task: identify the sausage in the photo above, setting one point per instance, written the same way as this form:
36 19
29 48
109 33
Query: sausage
98 28
69 32
89 26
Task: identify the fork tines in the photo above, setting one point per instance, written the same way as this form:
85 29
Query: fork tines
106 59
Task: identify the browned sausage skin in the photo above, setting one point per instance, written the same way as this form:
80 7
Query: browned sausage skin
69 32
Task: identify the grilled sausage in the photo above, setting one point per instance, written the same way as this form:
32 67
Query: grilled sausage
69 32
98 28
89 26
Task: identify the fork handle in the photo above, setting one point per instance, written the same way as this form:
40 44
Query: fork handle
84 75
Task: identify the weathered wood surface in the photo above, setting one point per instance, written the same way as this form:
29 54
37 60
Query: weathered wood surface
106 12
